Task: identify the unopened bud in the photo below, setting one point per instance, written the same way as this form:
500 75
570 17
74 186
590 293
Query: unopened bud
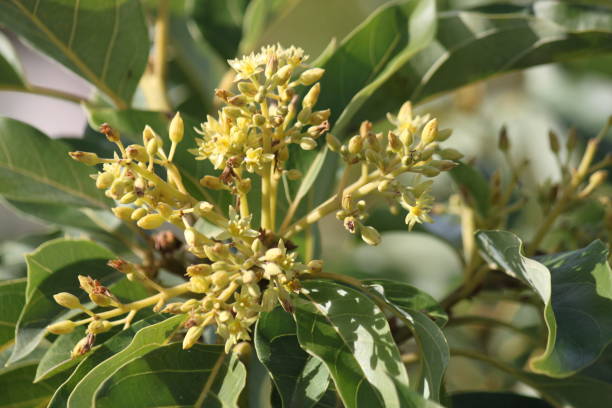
122 266
148 134
355 144
67 300
315 266
151 221
203 208
370 235
312 96
304 115
595 181
219 279
128 198
138 214
232 111
395 144
136 152
247 88
430 132
123 213
428 171
83 346
99 326
553 141
193 335
282 75
104 180
347 202
318 117
406 137
153 146
63 327
310 76
109 132
177 128
308 143
87 158
450 154
259 119
212 183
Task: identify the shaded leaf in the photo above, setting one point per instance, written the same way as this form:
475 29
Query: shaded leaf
36 169
144 341
346 330
12 299
300 379
53 268
577 293
18 390
203 376
415 308
112 56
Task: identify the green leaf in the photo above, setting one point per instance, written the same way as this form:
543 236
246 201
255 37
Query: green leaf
98 354
371 54
471 46
36 169
346 330
576 288
300 379
12 265
415 307
220 23
18 390
58 359
497 400
53 268
12 299
112 56
473 183
144 341
203 376
10 70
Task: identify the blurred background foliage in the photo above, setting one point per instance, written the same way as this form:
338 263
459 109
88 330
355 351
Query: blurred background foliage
529 103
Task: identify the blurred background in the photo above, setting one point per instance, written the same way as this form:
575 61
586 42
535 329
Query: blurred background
528 103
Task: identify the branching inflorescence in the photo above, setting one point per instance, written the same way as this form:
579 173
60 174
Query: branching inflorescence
248 269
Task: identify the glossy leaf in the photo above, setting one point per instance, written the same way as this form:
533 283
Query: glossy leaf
471 46
203 376
99 354
415 309
346 330
577 294
36 169
144 341
12 298
53 268
10 69
368 56
497 400
18 390
300 379
112 56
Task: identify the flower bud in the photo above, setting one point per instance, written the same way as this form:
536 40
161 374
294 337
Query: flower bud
99 326
247 88
148 134
232 111
450 154
304 115
212 183
316 265
63 327
553 141
259 119
136 152
347 202
104 180
83 346
428 171
370 235
177 128
138 214
151 221
308 143
109 132
203 208
430 132
122 266
173 308
310 76
199 270
406 137
332 142
249 277
87 158
444 134
128 198
193 335
282 75
87 283
123 213
67 300
103 299
199 284
318 117
595 181
312 96
355 144
394 142
504 143
220 279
